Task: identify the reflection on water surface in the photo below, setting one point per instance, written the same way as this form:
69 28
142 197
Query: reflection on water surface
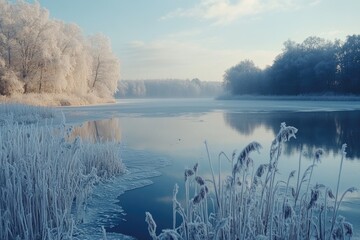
327 130
98 131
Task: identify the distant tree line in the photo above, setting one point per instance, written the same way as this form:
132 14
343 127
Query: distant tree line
43 55
315 66
167 88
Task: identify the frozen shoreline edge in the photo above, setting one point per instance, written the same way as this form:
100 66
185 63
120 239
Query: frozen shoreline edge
104 208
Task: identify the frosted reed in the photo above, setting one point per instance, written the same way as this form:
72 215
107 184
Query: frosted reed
45 179
255 204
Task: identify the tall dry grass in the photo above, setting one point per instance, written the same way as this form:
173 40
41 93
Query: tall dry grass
253 204
45 179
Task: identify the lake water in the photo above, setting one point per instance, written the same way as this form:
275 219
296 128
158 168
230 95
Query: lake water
170 134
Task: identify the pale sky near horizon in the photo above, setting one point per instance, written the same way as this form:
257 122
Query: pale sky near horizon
185 39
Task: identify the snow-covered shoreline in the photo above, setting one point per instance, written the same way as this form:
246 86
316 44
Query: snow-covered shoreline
55 100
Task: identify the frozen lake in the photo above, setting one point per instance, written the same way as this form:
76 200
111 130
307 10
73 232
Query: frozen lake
167 136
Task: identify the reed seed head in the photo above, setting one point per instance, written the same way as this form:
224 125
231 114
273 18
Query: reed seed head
243 158
200 180
197 199
286 133
253 146
348 227
203 192
314 197
188 173
292 174
343 149
330 194
351 190
293 192
261 170
288 211
337 233
195 168
318 154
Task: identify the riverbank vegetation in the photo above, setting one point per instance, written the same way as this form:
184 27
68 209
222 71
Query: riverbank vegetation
316 66
47 175
41 56
251 203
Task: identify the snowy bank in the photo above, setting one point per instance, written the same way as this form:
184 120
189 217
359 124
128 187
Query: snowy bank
49 99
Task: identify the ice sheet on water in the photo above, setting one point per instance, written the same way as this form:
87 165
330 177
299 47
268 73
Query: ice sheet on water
104 208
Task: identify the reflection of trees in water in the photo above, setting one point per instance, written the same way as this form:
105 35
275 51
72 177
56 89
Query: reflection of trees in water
101 130
327 130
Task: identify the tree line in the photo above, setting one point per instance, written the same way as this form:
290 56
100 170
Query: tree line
167 88
43 55
315 66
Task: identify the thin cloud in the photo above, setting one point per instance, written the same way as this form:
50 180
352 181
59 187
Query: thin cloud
226 11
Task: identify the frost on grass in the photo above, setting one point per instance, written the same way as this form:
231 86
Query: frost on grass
252 204
26 114
45 179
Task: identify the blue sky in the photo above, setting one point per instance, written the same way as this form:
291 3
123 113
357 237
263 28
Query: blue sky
185 39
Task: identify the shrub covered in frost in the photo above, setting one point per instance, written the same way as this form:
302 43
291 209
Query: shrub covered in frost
251 204
10 84
45 179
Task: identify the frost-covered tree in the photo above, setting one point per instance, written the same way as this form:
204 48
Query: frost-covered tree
42 55
74 58
168 88
7 32
243 78
105 66
32 41
315 66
